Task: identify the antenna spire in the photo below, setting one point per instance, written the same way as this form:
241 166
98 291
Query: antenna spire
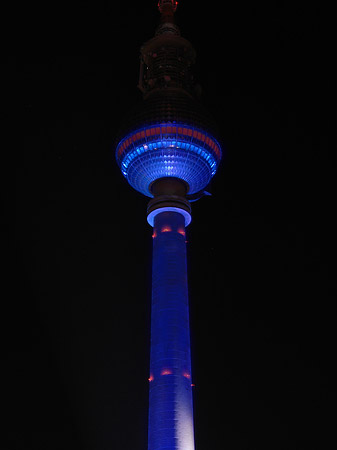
167 9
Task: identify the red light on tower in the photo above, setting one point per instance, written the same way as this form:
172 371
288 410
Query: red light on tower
166 372
167 3
181 231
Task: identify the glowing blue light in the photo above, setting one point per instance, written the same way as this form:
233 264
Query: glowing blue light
130 156
196 167
170 150
170 396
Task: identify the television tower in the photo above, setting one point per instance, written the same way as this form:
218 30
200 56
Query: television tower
168 152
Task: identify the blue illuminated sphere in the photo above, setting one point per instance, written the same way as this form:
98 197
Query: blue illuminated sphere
168 136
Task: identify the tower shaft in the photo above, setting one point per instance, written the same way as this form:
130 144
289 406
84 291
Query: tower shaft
170 408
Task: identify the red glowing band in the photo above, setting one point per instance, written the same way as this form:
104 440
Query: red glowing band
163 131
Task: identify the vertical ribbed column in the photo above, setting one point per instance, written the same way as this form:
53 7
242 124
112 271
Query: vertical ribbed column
170 402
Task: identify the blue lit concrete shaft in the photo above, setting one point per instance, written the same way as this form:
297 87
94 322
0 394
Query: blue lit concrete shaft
171 408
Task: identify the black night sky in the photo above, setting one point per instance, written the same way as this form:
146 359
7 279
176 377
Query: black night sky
76 326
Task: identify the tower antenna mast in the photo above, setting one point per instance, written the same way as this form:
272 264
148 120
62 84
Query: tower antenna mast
167 9
167 4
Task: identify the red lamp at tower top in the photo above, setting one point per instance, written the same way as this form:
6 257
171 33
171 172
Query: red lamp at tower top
164 5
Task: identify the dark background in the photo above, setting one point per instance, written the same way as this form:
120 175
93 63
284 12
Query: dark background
76 319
